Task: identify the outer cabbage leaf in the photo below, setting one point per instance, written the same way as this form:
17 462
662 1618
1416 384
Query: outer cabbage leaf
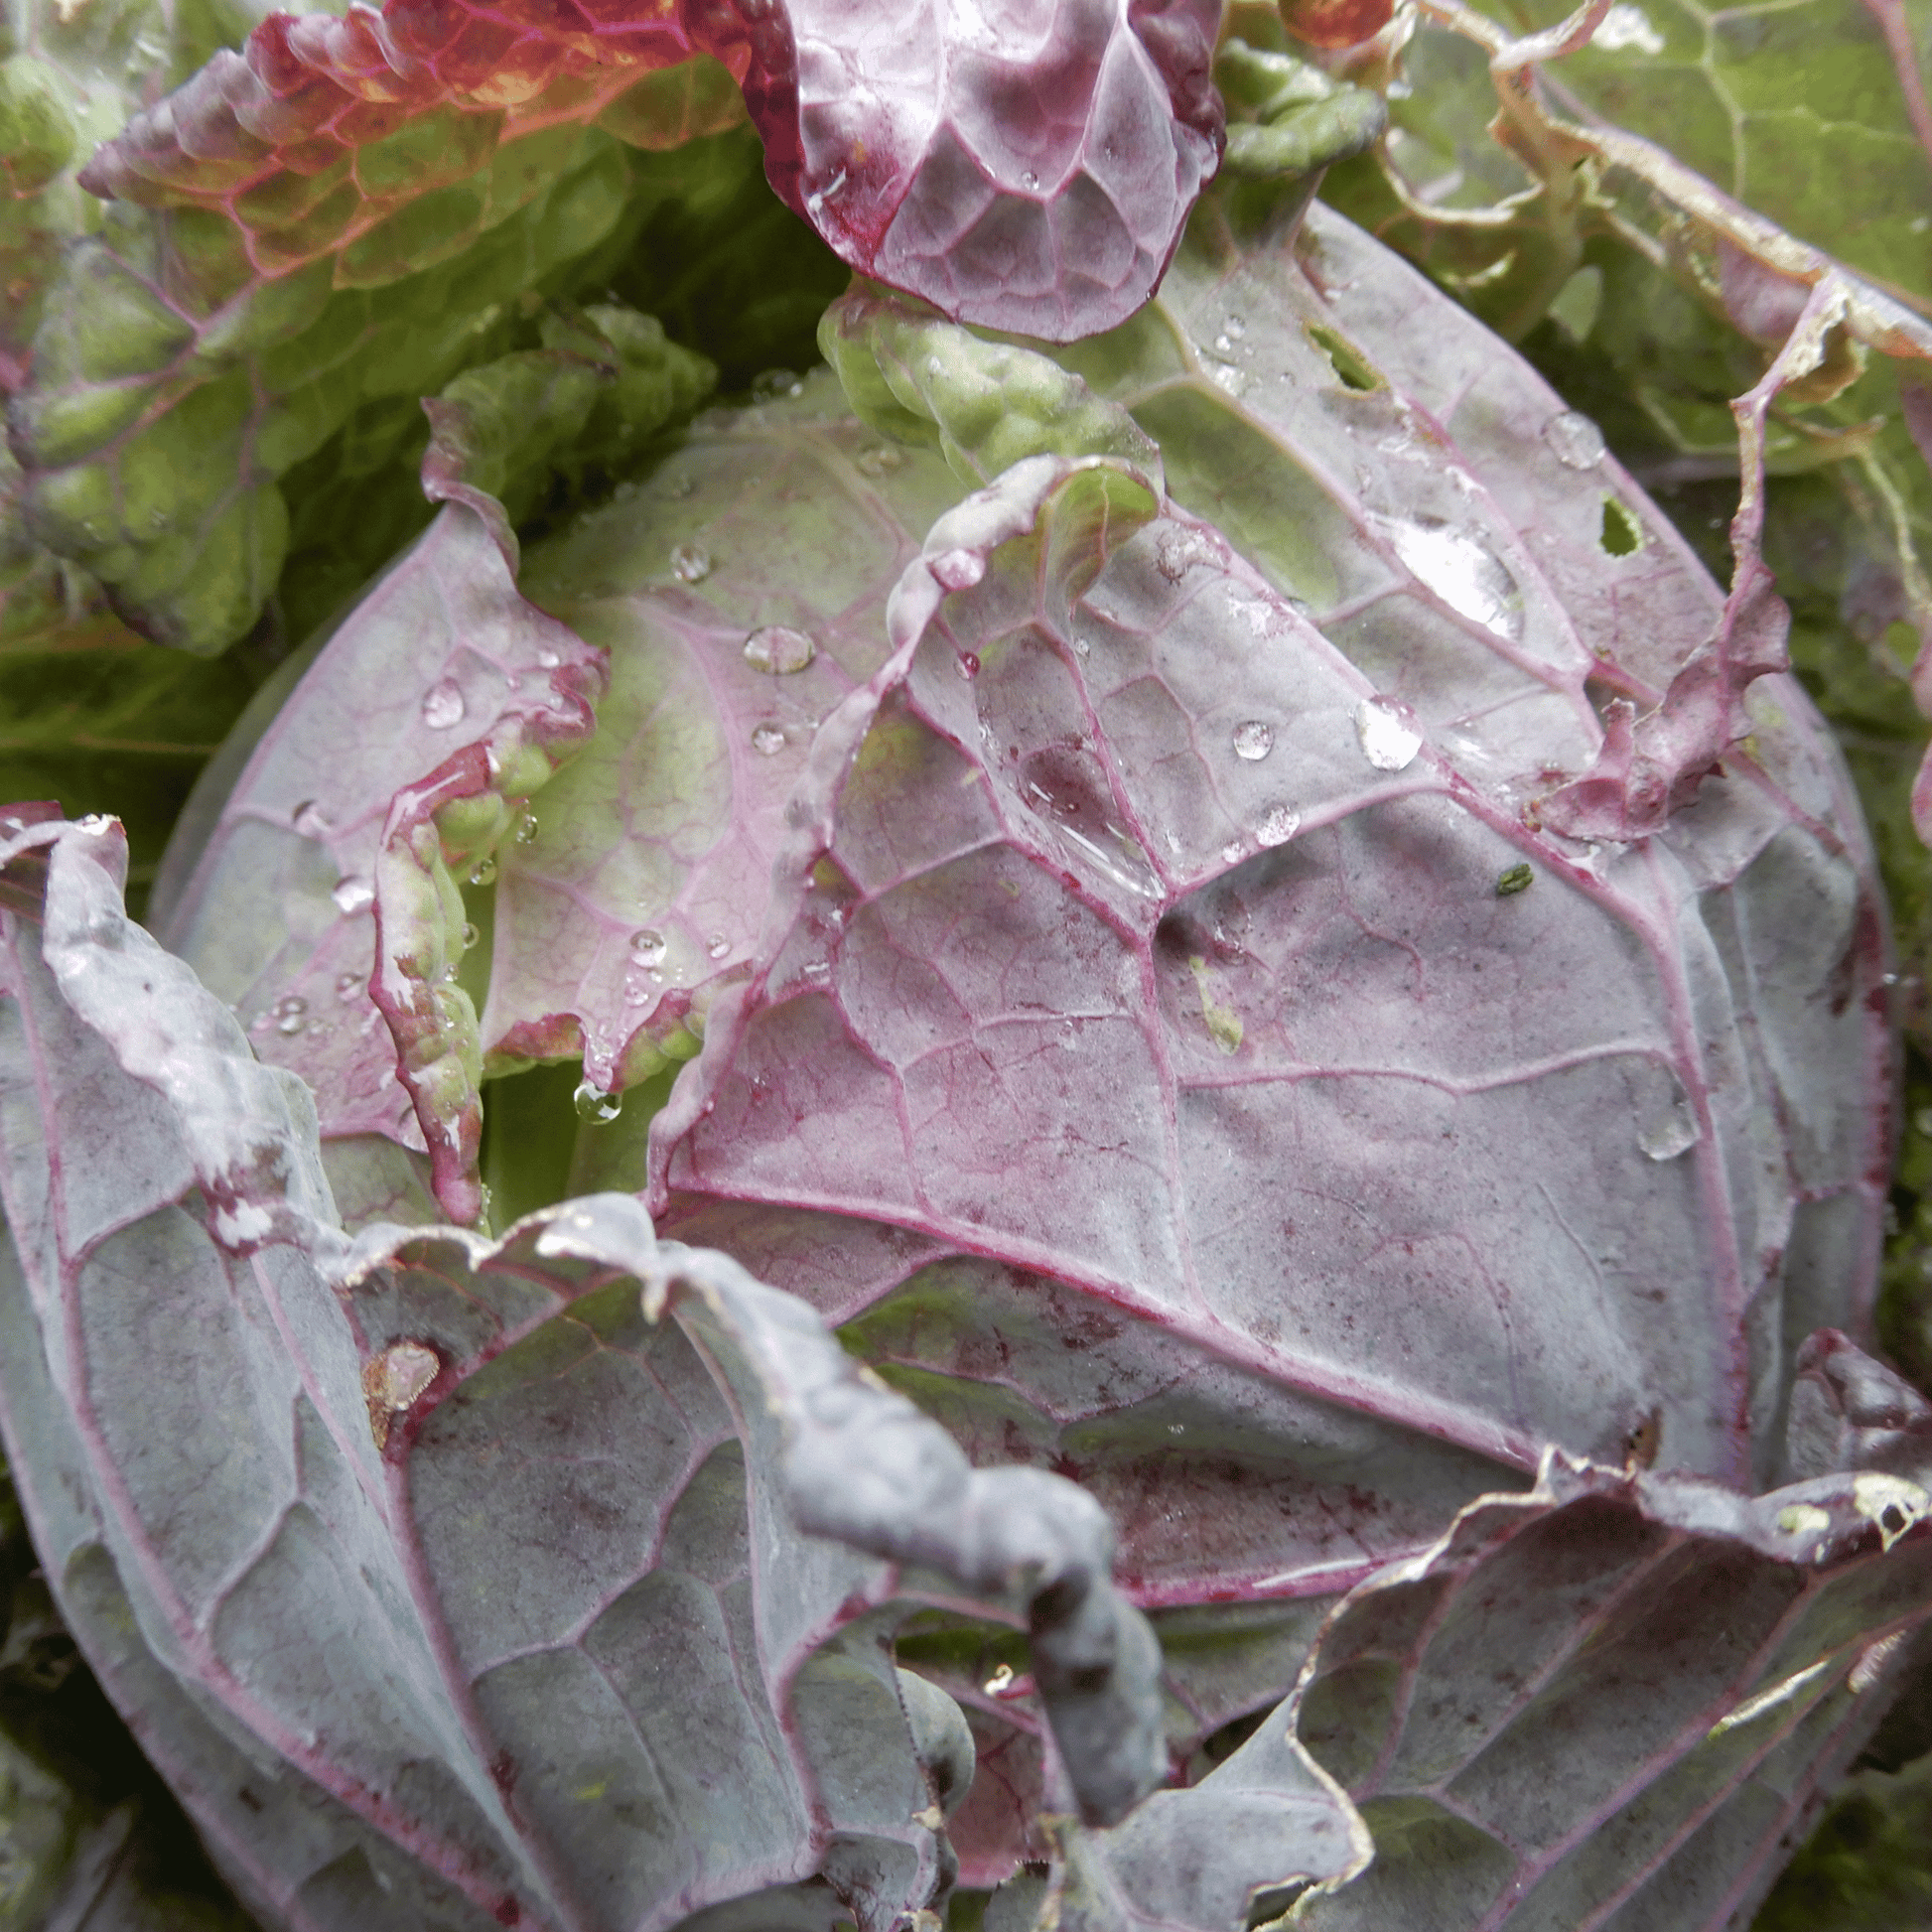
1028 172
1613 1701
251 1452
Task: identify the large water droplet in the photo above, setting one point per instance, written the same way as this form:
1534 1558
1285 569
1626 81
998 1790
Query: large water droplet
1672 1132
1390 740
1575 439
288 1012
1253 740
647 947
1278 824
443 704
349 985
469 935
526 829
594 1105
778 648
690 563
311 821
484 872
768 741
352 894
717 947
1066 792
1472 581
548 658
1030 181
881 460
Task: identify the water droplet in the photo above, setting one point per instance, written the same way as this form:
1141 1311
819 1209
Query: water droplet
768 741
717 947
1066 790
526 829
1469 578
691 563
774 386
1575 441
594 1105
1233 853
1390 740
1671 1134
352 894
311 821
957 570
1253 740
443 705
1278 824
288 1012
469 935
1030 181
349 985
967 665
548 658
647 947
1235 326
778 648
1224 343
879 461
484 872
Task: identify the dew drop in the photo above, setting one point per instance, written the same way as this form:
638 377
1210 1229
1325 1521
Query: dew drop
352 894
690 563
1253 740
1390 740
768 741
311 821
957 570
647 947
1576 442
1672 1133
469 935
594 1105
526 829
1235 327
349 985
1469 578
881 460
288 1012
1030 181
484 872
775 385
967 665
717 947
778 648
1278 824
1233 853
443 705
548 658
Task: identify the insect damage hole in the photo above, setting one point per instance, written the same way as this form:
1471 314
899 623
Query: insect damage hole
1349 364
1621 534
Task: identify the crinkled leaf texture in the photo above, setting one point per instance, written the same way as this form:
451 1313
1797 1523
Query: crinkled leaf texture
1149 990
449 1582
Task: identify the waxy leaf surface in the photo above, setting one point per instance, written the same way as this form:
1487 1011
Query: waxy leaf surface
254 1456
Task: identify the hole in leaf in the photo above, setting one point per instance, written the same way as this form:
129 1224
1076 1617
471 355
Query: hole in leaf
1621 533
1354 369
1271 1908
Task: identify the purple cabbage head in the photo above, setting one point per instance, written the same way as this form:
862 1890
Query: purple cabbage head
1095 1125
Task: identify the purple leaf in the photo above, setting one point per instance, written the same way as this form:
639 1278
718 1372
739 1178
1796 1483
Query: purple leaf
644 1679
1142 973
740 597
443 693
1611 1701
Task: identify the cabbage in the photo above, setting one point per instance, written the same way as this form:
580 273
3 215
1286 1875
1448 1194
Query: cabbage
1088 1125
